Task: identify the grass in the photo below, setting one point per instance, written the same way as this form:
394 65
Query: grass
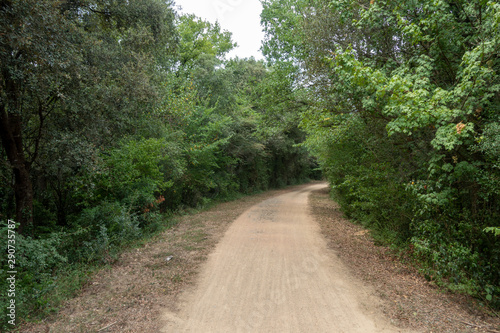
195 236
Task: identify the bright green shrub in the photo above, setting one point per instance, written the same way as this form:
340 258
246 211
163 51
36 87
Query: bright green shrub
134 171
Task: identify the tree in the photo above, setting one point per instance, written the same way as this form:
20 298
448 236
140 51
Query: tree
64 63
33 79
404 111
199 37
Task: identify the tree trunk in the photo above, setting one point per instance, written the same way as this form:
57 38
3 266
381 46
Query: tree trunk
11 135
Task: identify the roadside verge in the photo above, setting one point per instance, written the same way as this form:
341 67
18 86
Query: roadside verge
410 300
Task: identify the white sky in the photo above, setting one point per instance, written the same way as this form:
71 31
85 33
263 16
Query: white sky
241 17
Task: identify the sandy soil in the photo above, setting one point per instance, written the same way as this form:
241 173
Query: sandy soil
273 272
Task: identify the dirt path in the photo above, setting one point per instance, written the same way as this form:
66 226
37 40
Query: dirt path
273 272
291 278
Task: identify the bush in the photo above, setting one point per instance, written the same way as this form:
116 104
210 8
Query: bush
36 260
98 230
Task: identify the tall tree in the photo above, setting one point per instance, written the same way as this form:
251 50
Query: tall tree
202 38
36 67
64 63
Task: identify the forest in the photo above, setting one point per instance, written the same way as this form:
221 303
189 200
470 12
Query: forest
117 114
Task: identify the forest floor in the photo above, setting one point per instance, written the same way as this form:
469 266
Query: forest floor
280 261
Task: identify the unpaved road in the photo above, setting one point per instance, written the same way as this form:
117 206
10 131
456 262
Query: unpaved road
273 272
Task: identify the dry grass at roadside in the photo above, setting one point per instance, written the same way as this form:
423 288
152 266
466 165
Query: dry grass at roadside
409 300
131 295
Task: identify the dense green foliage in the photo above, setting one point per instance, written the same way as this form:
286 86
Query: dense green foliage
113 114
404 118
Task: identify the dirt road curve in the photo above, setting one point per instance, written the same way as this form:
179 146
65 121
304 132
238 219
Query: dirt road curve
272 272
